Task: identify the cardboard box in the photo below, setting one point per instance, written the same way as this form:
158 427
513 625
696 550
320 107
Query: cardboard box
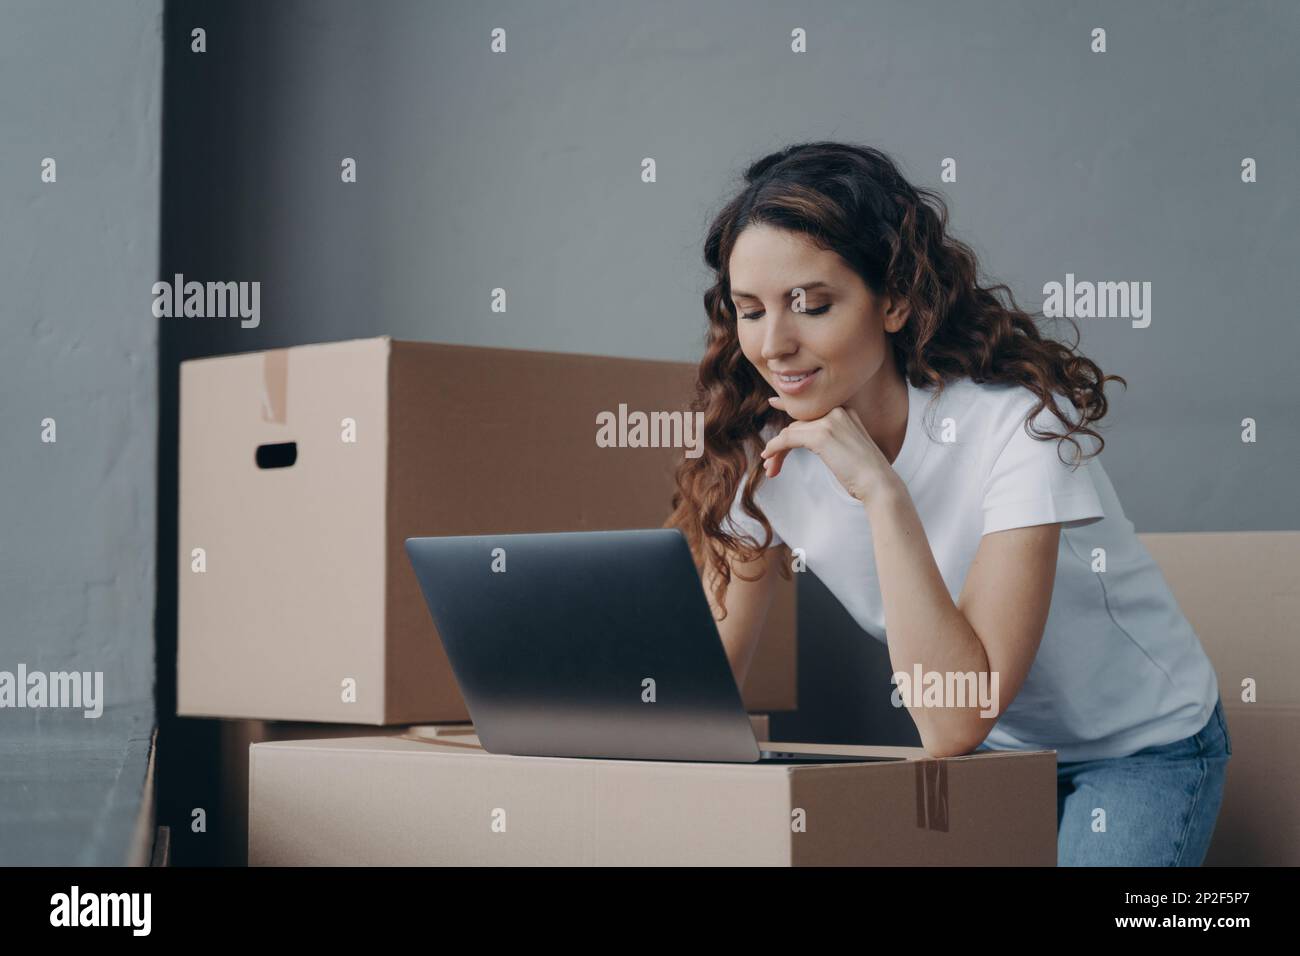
395 801
1239 591
295 590
229 826
236 736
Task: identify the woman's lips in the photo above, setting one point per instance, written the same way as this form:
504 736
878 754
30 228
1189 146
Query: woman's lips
794 388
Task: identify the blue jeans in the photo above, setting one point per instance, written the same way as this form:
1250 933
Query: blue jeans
1160 803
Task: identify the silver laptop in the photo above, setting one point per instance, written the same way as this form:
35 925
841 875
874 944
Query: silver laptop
589 644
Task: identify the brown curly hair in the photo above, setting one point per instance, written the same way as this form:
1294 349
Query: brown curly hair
854 201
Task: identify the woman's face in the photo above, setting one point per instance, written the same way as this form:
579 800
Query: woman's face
838 339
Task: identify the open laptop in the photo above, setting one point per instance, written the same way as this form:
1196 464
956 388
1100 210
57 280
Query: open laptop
589 644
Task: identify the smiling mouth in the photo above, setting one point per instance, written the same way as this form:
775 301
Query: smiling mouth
795 378
796 383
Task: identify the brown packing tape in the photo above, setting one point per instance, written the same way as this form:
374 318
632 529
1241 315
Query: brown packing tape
275 386
932 795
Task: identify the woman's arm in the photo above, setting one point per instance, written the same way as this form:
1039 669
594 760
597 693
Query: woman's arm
747 606
994 628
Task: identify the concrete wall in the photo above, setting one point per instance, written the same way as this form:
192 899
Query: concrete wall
80 83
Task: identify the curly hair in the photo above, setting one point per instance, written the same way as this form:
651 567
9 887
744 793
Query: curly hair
854 201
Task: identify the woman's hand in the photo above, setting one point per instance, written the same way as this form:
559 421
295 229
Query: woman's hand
841 441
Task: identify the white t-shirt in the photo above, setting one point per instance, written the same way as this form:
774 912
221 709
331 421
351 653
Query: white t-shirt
1119 667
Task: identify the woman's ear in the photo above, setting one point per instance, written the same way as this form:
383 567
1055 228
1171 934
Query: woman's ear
896 314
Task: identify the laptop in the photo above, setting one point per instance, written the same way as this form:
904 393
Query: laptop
589 644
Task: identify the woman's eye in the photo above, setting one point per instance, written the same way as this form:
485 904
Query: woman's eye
757 315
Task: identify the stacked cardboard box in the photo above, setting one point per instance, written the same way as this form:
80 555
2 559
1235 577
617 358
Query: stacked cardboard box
400 800
234 737
1239 590
237 736
303 470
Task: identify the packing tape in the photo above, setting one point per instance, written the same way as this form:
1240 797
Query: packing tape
932 795
275 386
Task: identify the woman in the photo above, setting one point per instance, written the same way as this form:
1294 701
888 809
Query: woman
886 397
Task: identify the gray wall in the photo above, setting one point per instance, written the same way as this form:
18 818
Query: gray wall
522 171
81 83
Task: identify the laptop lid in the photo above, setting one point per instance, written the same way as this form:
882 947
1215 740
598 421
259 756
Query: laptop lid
584 644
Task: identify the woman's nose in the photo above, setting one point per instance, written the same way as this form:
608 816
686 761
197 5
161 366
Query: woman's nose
777 338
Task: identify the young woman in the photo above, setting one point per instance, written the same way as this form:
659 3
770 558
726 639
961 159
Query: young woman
867 411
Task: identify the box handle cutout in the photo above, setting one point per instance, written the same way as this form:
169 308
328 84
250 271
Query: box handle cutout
280 455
